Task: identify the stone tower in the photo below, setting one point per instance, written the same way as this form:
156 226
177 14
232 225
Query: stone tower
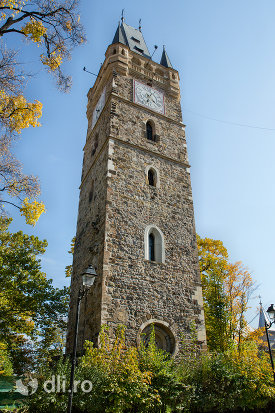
136 221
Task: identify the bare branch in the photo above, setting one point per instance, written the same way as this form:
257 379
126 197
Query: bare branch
8 202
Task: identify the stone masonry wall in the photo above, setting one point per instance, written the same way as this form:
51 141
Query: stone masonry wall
117 204
90 235
137 289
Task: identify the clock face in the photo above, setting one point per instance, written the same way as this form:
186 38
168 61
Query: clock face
98 109
149 97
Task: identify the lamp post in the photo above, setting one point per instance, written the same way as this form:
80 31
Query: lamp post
271 314
88 279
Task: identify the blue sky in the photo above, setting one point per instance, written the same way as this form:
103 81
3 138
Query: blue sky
225 54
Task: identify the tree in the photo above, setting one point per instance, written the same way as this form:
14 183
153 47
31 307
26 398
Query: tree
32 312
55 27
69 268
5 362
15 115
238 288
226 291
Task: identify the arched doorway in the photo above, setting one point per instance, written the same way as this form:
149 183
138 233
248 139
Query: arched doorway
164 338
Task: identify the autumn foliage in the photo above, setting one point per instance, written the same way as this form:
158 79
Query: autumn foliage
226 289
54 27
232 376
127 379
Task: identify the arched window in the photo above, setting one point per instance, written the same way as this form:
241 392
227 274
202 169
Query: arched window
152 179
149 131
154 244
152 176
151 247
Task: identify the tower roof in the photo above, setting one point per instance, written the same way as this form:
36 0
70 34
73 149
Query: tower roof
263 318
165 61
132 38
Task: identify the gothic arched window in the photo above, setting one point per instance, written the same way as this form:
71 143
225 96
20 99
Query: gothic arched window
149 131
152 179
154 244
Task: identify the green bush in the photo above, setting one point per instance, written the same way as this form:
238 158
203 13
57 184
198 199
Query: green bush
129 380
237 380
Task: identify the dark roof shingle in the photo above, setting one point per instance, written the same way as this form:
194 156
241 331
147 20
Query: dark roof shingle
132 38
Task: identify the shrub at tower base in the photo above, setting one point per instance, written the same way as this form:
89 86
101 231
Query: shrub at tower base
127 379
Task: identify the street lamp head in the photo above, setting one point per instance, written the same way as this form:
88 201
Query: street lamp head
271 312
88 276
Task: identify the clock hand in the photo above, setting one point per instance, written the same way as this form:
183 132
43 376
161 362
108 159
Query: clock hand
151 99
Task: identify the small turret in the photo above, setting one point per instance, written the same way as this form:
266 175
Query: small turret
165 61
119 37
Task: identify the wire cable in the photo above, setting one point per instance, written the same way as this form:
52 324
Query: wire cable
243 125
257 314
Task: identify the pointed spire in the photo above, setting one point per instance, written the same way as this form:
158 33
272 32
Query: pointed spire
165 61
119 37
264 319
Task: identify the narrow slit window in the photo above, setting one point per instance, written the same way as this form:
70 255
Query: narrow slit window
95 145
152 247
91 193
149 131
151 177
